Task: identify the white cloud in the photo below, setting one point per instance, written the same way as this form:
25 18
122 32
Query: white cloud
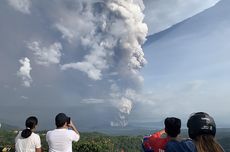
21 5
187 97
160 15
93 64
66 32
86 67
93 101
46 55
195 85
24 72
24 97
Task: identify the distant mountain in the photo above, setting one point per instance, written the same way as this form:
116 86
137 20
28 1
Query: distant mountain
4 126
147 125
157 36
133 128
204 21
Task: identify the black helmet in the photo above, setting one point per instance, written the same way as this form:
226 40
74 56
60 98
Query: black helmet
201 123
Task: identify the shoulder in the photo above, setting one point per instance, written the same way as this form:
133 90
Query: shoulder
172 143
72 133
35 135
172 146
189 143
50 131
180 146
18 135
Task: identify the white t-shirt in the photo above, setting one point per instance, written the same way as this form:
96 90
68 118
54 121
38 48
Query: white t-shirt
60 140
27 144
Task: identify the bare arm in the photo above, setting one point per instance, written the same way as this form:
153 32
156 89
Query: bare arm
38 149
72 126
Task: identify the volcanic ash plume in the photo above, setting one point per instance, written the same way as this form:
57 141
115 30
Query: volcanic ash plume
123 102
124 24
112 37
111 33
124 107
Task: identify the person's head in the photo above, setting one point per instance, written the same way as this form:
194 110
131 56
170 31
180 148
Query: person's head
61 120
201 123
30 124
172 126
202 129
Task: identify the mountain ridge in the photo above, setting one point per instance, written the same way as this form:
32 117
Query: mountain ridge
212 11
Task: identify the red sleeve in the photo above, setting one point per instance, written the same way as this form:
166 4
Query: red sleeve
158 134
157 142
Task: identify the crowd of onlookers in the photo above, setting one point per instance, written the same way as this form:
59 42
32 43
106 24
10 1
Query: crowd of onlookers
201 130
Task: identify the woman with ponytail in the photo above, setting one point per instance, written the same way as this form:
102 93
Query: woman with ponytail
27 140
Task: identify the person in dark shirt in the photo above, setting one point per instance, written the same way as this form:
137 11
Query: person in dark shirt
177 144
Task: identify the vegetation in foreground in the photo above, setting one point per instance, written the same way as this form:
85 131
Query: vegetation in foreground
97 142
89 142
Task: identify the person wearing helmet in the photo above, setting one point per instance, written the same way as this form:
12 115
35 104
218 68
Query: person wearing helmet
176 143
202 130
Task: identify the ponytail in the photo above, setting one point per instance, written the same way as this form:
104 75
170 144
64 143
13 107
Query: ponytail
30 123
26 133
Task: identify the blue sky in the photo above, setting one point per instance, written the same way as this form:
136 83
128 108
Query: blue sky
89 59
188 64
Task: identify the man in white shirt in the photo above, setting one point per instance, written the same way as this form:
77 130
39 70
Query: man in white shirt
61 138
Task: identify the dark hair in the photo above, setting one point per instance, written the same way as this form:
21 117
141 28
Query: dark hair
30 123
201 123
61 119
172 126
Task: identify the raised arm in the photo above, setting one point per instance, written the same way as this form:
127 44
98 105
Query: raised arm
73 127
